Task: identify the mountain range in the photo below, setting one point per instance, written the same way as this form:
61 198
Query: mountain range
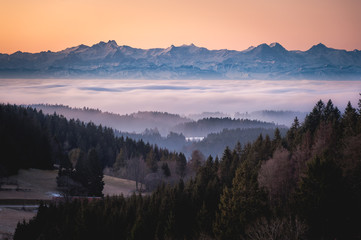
108 60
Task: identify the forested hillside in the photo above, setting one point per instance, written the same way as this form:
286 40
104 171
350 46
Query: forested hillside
215 143
170 131
306 185
30 139
134 122
205 126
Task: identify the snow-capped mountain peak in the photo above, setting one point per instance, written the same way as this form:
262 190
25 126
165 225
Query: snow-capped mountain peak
107 59
319 47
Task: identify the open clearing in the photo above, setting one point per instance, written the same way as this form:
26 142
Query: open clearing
41 185
34 184
118 186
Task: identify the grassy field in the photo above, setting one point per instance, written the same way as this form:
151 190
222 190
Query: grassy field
117 186
32 185
41 185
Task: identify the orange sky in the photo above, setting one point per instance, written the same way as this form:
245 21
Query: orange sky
41 25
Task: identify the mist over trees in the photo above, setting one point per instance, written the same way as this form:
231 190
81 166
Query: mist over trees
30 139
304 185
172 131
205 126
279 117
215 143
132 123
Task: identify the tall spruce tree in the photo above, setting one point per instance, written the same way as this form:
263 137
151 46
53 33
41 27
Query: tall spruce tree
181 165
239 205
349 120
320 197
89 173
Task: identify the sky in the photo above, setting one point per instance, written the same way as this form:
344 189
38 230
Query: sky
41 25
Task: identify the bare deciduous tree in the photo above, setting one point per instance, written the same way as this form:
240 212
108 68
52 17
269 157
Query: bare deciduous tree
276 175
323 139
136 170
196 161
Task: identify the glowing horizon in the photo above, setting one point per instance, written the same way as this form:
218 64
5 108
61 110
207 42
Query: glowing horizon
40 25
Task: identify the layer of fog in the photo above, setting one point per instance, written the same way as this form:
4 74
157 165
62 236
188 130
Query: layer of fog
180 96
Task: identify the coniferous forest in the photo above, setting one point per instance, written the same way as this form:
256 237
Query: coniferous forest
306 185
31 139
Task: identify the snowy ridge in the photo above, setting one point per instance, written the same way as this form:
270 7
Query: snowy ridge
109 60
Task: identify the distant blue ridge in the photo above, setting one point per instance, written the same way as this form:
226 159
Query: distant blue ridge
110 61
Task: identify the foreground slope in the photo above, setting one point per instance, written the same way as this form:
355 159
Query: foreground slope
303 186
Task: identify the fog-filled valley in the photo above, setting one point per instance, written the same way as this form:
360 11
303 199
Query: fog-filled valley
180 153
182 134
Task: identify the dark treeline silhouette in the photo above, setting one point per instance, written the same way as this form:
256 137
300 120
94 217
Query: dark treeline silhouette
173 141
215 143
203 127
306 185
23 143
170 130
134 122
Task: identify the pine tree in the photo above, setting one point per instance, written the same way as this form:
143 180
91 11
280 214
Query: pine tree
277 139
90 174
166 170
240 204
320 198
95 178
349 120
181 162
313 119
331 113
293 136
225 172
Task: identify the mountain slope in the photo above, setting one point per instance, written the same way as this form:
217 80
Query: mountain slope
108 60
